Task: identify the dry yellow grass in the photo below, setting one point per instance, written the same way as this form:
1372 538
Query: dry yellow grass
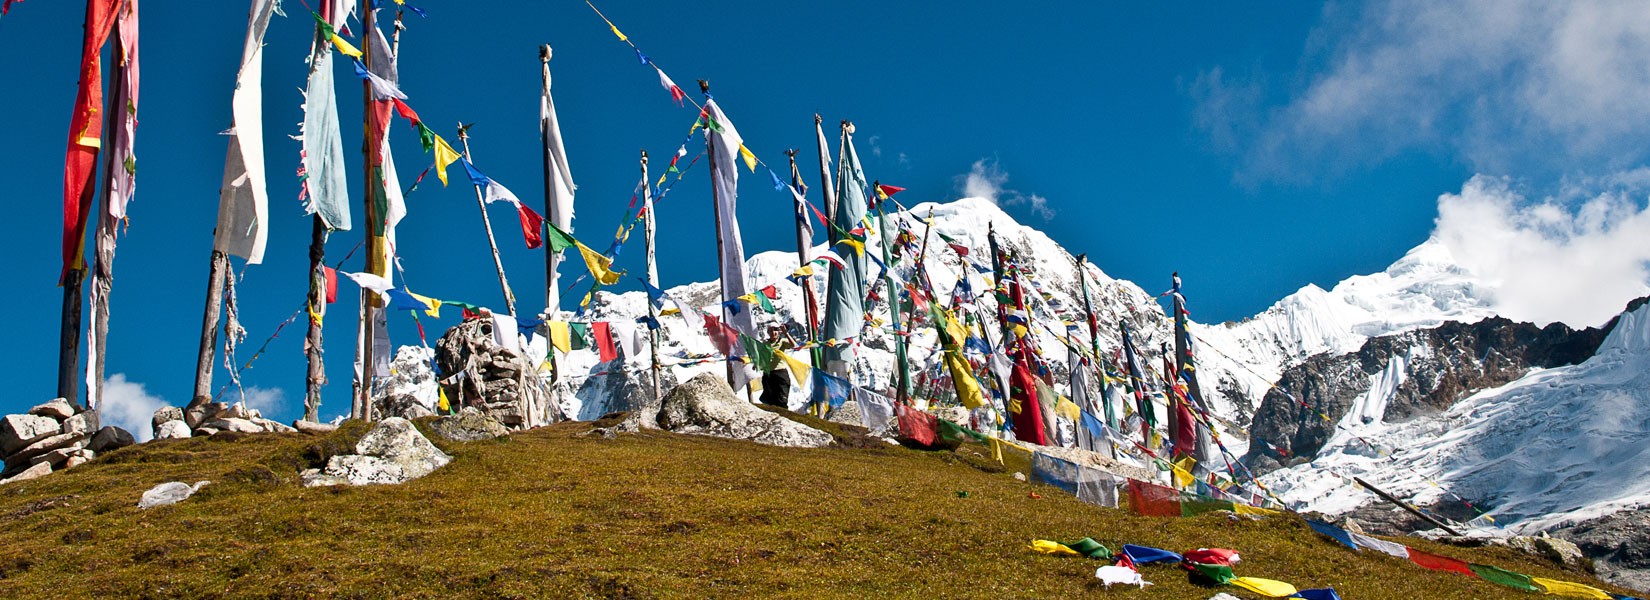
545 514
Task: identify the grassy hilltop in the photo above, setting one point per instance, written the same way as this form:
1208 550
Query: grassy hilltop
548 514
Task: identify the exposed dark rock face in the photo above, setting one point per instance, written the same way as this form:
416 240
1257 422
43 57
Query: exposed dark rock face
475 370
1439 367
1619 545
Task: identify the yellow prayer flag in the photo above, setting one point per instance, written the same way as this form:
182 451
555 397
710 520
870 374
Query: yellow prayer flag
443 404
748 298
1183 473
345 47
1244 509
858 246
799 370
444 155
1554 587
1270 588
434 305
804 271
750 159
560 336
1052 547
616 32
968 388
600 266
1068 409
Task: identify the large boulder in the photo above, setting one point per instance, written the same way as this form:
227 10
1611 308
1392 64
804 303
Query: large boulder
1619 545
617 388
18 431
34 471
173 430
162 415
86 422
474 369
392 452
410 391
48 444
469 425
235 424
110 438
705 405
56 408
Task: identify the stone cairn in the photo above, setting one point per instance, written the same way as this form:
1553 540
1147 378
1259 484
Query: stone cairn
177 423
54 436
474 370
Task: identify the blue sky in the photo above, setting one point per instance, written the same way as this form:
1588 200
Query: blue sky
1254 151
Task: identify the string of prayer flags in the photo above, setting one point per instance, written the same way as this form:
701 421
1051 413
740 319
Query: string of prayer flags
600 266
531 222
382 89
444 153
401 299
337 41
1086 547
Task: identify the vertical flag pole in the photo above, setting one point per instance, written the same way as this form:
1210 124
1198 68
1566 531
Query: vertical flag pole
552 259
803 242
1094 342
896 312
367 329
315 375
481 202
652 278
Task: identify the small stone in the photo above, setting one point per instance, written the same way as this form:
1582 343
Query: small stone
110 438
317 478
205 432
162 415
171 492
271 426
86 422
1020 476
18 431
599 432
74 461
173 430
313 428
202 413
57 408
39 470
1224 596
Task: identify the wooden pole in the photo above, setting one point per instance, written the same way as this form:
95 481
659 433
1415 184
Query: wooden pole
209 330
803 242
652 278
1094 342
315 376
104 245
481 202
827 186
367 331
1406 506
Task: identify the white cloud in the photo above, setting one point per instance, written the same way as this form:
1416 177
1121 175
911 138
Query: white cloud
127 405
876 146
265 400
1507 86
1575 259
985 179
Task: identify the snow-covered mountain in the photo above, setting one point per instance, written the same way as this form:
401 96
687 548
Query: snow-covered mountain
1557 445
1423 289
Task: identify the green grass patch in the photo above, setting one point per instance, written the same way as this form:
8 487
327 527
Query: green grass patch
648 515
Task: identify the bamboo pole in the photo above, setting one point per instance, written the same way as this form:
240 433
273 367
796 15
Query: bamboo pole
315 376
1094 342
368 327
481 202
1406 506
652 278
803 243
896 313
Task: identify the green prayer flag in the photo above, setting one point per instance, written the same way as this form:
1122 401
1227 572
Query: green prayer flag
760 355
1191 504
426 137
1221 574
326 28
1504 577
580 335
762 300
1089 548
559 240
957 433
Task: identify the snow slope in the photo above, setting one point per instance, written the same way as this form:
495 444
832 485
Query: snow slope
1558 445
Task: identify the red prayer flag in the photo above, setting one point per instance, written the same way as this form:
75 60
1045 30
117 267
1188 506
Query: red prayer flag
1440 563
889 190
405 111
718 334
604 341
85 135
771 292
917 426
677 94
332 283
531 226
1152 500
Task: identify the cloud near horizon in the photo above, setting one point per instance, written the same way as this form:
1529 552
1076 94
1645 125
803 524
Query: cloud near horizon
128 405
1576 259
1539 89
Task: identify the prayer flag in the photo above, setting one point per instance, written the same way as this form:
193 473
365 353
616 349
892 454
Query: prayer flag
675 92
331 276
604 341
799 369
750 158
560 336
243 211
1553 587
345 47
373 283
1438 563
615 28
916 425
1504 577
559 195
444 155
726 143
406 112
1266 587
1145 555
326 188
1085 547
